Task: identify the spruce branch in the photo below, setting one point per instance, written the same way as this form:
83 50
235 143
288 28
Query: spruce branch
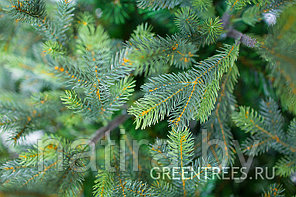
193 91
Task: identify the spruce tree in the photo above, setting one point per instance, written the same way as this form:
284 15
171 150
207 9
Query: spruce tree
125 96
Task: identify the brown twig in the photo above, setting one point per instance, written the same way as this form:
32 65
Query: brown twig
100 133
233 33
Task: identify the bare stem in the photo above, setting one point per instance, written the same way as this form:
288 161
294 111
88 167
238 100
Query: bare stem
100 133
233 33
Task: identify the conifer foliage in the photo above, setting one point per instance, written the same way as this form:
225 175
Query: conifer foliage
186 69
266 127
